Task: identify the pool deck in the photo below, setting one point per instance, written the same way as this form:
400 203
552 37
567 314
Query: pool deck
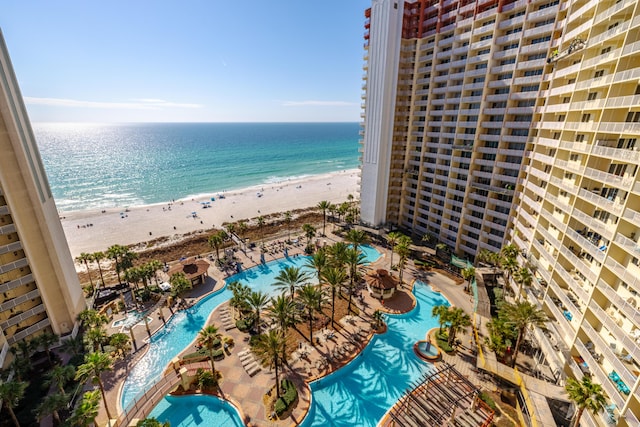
310 361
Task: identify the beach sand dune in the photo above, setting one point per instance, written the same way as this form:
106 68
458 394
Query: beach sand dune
96 230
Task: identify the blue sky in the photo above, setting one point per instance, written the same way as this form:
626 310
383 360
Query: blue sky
187 61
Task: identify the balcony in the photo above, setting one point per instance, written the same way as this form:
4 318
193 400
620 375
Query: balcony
608 13
599 201
631 246
14 265
29 331
629 310
17 318
9 304
16 283
632 216
579 265
596 370
626 155
7 229
587 245
624 274
593 223
566 331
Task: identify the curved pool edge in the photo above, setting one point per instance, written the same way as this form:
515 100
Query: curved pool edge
232 403
149 340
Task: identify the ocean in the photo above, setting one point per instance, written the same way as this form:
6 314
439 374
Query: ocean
93 166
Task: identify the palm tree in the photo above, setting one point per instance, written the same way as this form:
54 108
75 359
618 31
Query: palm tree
121 342
97 257
290 278
324 206
231 229
46 340
115 252
378 318
95 364
511 266
215 241
287 220
90 318
356 238
283 311
73 345
96 337
269 349
86 412
309 232
338 254
458 320
403 250
60 375
179 284
257 300
586 395
509 251
51 404
468 274
85 258
355 262
240 293
11 392
485 255
318 261
441 312
522 315
311 298
335 278
392 240
207 337
523 278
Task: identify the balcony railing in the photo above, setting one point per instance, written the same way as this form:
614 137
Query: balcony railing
632 216
621 336
624 274
14 265
628 308
586 245
608 205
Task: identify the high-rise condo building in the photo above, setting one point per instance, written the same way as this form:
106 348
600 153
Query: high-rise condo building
578 214
450 92
457 94
39 287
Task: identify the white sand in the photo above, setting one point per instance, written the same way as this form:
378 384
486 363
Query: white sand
115 226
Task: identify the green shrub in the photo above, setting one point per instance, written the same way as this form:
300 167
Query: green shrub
245 324
279 407
289 396
442 341
202 354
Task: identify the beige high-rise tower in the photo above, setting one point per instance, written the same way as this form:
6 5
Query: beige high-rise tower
39 287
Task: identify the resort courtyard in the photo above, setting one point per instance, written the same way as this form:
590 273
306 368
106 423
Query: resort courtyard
330 350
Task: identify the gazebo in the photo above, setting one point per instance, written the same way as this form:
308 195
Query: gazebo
195 270
381 284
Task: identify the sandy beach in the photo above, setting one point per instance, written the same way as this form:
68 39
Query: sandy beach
95 230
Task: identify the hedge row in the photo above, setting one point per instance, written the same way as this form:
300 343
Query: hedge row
289 395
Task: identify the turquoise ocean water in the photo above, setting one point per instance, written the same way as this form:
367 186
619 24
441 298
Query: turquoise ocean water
92 166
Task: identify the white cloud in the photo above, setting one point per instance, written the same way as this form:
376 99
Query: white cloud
136 104
317 103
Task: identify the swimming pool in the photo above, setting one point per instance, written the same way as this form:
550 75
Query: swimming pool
183 327
196 410
363 391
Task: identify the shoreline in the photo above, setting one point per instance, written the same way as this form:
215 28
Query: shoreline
96 229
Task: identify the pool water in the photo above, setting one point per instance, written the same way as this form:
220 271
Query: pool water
363 391
196 410
183 327
131 319
427 348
